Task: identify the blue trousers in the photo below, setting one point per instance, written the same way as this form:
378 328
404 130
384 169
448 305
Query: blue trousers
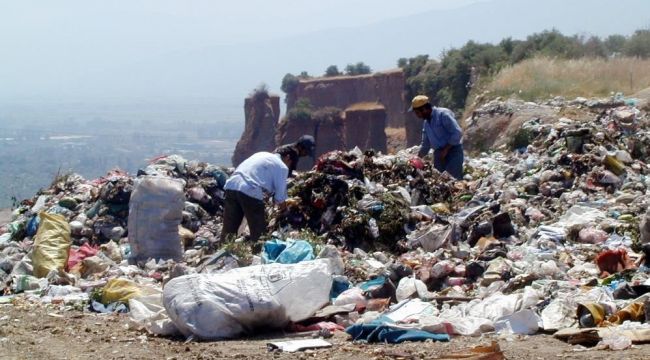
453 162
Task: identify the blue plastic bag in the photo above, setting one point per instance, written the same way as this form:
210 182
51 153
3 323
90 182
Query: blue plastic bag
32 225
287 252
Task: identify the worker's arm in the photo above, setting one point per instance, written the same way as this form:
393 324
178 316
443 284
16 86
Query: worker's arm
280 185
425 145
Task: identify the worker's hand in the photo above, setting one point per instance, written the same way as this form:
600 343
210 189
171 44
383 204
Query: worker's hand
281 206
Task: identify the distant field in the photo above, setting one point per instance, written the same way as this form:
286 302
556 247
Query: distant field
541 78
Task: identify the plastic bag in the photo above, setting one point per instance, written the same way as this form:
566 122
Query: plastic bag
52 244
289 252
120 290
410 286
351 296
155 212
22 283
149 313
524 322
431 239
591 235
226 305
77 255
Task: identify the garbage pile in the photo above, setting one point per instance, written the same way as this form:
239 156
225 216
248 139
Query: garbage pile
551 237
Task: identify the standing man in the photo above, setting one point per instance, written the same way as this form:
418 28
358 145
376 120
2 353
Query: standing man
261 174
305 146
441 132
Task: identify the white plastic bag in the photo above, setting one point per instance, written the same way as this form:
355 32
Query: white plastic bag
147 312
409 286
524 322
226 305
155 211
351 296
432 238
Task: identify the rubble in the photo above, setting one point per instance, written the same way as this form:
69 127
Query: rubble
549 235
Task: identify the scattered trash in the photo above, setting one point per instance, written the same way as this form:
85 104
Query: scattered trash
298 345
553 236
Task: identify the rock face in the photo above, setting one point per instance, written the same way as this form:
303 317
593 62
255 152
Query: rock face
345 111
386 88
262 112
325 125
330 130
364 126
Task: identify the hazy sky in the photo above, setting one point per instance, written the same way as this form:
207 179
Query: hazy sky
181 23
76 48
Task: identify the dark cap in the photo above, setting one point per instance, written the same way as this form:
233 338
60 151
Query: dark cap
308 143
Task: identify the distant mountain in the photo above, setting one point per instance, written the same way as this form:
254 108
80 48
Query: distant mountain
234 70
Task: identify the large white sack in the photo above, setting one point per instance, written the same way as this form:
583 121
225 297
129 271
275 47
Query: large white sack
155 211
226 305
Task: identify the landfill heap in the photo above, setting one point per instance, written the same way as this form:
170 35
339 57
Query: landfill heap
548 235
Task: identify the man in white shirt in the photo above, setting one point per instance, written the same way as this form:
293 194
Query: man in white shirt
261 174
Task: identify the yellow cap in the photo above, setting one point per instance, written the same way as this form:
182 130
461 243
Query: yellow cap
419 101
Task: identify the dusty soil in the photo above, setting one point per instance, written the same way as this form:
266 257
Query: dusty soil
36 331
29 331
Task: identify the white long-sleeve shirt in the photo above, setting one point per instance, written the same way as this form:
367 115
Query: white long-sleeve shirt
261 173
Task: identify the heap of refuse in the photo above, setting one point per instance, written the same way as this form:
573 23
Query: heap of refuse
550 237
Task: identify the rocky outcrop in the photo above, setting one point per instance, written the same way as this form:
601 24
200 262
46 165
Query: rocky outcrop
364 126
493 124
262 112
325 125
330 131
372 102
386 88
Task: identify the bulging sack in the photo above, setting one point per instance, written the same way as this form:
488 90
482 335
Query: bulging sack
226 305
52 244
155 211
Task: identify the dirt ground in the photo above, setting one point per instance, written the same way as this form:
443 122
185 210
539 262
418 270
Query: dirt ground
29 331
36 331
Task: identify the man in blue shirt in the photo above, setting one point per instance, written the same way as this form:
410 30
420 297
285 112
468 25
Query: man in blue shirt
261 174
441 132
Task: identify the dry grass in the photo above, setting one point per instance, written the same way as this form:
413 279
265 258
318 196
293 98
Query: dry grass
541 78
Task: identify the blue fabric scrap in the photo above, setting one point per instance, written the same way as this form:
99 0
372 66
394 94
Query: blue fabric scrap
378 332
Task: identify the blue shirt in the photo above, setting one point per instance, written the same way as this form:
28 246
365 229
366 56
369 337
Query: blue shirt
261 173
440 130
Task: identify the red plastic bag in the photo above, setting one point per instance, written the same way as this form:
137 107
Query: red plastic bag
83 252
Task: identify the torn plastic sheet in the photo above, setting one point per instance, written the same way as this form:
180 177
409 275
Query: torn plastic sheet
298 345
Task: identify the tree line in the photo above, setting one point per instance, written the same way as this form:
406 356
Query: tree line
449 79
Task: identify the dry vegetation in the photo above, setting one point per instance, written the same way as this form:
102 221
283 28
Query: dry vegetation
541 78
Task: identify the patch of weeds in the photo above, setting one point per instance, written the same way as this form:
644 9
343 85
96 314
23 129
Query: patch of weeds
96 294
243 250
316 241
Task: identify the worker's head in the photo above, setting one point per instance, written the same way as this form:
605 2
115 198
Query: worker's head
421 106
288 155
306 145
